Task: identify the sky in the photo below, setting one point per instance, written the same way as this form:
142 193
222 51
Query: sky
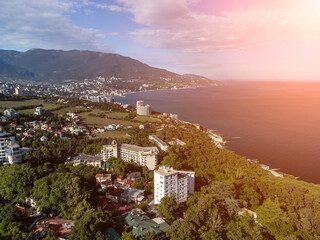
219 39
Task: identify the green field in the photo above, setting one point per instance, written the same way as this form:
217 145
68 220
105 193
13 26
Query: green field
92 120
67 109
147 119
32 102
113 134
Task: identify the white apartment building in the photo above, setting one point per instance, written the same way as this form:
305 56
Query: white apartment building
143 109
11 113
39 111
161 144
9 149
145 156
168 181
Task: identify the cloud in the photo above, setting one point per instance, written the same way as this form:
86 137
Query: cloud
44 24
174 24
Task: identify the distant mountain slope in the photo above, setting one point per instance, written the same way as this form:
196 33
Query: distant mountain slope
76 65
194 76
12 71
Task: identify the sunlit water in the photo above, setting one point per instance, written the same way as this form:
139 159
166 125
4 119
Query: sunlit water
278 122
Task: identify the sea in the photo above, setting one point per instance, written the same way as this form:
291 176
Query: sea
276 123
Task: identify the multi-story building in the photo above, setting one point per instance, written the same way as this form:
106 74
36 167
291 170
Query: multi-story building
161 144
39 111
9 149
168 181
11 113
174 116
145 156
143 109
80 158
18 91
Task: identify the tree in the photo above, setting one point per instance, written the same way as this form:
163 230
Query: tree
10 225
16 182
143 206
92 149
181 229
118 166
59 194
151 235
127 236
81 208
244 227
274 219
91 225
208 234
167 208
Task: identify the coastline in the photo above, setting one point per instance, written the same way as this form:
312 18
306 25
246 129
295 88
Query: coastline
245 147
169 89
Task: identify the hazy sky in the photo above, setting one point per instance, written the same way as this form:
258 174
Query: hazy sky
221 39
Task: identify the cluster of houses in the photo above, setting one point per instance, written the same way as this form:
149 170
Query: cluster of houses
9 113
110 127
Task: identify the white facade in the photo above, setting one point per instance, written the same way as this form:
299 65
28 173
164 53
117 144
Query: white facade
168 181
18 91
145 156
39 111
161 144
11 113
143 109
9 150
174 116
109 151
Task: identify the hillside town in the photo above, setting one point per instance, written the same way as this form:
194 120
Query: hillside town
89 89
115 192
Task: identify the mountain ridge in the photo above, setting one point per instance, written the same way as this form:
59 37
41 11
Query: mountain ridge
60 65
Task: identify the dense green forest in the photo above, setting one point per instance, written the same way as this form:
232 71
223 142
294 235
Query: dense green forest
285 207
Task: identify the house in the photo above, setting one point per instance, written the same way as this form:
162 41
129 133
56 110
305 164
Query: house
4 118
113 193
129 182
134 175
44 127
101 130
39 111
44 139
60 134
103 180
138 223
11 113
120 178
76 159
111 234
145 126
112 127
132 195
19 128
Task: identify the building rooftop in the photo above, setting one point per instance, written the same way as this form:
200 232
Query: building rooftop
159 140
139 223
83 158
111 234
5 135
166 171
139 149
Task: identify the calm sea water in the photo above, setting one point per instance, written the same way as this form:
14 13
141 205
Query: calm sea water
278 122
